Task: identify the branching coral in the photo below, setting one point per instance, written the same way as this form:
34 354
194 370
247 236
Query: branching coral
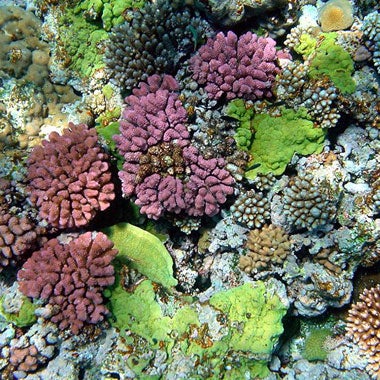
69 178
307 204
164 172
363 325
267 246
71 277
153 41
18 235
233 66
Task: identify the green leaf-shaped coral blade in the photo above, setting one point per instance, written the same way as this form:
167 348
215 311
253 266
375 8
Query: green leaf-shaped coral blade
142 251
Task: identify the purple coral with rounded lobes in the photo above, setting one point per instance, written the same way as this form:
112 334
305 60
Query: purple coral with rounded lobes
239 67
186 182
18 235
153 114
209 183
69 177
71 278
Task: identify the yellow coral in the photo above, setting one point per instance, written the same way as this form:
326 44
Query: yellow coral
336 15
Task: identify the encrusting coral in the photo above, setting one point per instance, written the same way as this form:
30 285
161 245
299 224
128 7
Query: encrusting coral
237 67
336 15
71 277
363 326
69 177
161 168
267 246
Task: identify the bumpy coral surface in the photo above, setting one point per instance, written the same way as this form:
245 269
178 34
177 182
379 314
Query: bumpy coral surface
363 327
152 41
161 169
233 66
307 204
69 178
18 235
267 246
251 209
71 277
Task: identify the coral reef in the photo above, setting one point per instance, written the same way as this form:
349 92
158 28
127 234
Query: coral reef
232 66
70 277
69 178
18 236
277 138
371 30
363 325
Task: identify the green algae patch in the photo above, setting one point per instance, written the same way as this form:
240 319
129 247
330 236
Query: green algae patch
141 250
239 110
231 337
109 12
25 315
253 325
84 42
255 318
314 347
277 139
140 313
333 61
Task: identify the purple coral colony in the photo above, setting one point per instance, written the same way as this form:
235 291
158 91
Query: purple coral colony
190 189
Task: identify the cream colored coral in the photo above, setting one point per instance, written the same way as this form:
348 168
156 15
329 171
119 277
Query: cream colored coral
269 245
336 15
363 327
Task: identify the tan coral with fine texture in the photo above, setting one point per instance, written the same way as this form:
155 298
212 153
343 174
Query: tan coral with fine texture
363 327
336 15
266 246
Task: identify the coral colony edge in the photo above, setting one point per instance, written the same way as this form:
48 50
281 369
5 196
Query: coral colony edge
189 189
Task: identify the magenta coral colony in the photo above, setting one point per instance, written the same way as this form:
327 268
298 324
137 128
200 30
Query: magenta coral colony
162 169
69 178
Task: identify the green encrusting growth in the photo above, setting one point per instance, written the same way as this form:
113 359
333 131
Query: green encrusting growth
110 12
314 347
336 63
277 139
237 329
24 317
238 110
83 41
141 250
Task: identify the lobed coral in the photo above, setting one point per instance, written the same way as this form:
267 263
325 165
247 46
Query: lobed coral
251 209
152 41
164 172
18 236
69 178
267 246
236 67
71 277
363 326
307 203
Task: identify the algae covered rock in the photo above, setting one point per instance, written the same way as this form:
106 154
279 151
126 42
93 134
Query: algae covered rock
231 336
